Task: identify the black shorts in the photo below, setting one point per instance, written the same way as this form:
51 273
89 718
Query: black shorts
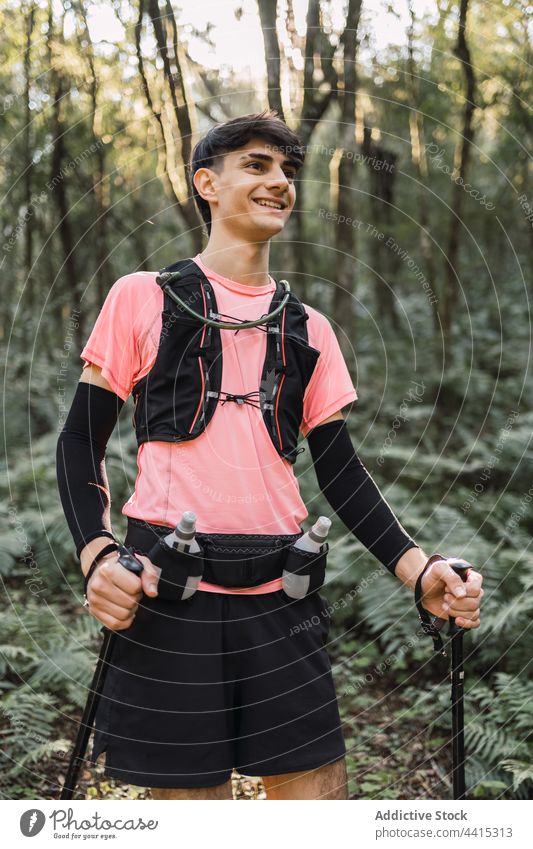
197 688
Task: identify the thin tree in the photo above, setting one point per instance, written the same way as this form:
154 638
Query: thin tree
174 124
381 166
29 24
450 294
345 242
58 180
268 14
100 181
419 158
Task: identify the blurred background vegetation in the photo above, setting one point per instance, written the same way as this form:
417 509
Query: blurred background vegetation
417 121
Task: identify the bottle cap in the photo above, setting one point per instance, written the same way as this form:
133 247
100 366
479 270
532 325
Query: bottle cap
320 529
322 526
187 523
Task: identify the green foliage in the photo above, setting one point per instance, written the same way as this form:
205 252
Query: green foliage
498 723
27 738
46 666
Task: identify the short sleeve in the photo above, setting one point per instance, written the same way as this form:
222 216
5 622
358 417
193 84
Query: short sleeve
123 341
330 388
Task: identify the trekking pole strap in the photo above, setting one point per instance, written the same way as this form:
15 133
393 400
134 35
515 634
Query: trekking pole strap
107 549
430 625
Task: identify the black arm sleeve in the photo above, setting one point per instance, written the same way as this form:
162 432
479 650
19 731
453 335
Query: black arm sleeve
80 462
354 496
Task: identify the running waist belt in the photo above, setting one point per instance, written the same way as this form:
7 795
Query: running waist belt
230 560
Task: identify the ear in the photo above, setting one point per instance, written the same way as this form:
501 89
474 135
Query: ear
205 184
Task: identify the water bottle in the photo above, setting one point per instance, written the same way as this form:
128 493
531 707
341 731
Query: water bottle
183 539
296 584
314 539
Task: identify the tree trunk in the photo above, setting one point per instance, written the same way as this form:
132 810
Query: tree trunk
176 136
28 161
419 159
381 164
46 220
317 50
268 13
345 243
451 290
104 272
60 199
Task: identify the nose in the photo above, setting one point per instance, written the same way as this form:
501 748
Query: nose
277 178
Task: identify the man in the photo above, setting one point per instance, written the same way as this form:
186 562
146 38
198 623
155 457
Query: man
226 679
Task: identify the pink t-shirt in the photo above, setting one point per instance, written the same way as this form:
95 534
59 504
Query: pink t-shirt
231 475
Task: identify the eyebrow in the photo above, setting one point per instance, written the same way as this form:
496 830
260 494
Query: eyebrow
265 157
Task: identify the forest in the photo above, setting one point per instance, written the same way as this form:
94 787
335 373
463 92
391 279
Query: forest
412 232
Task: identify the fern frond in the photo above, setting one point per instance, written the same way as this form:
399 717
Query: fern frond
520 770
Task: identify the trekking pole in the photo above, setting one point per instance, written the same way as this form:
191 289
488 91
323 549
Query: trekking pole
457 679
130 562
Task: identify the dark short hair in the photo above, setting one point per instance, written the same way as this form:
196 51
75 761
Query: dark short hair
234 134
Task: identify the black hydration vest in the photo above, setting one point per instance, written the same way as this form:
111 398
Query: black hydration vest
178 397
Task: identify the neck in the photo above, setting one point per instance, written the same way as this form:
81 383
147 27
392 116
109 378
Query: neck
239 261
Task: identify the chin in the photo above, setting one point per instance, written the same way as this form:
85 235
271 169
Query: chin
262 233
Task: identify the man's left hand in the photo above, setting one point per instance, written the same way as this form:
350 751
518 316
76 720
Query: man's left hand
444 593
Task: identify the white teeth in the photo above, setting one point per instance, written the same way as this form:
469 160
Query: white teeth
269 203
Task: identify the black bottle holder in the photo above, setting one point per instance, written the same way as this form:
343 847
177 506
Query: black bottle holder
181 571
304 572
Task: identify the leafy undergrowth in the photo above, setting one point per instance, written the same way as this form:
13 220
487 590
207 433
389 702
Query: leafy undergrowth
397 725
389 753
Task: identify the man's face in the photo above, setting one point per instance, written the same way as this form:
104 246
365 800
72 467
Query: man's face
254 193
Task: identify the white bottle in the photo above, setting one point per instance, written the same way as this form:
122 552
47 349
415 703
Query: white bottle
297 585
314 539
183 539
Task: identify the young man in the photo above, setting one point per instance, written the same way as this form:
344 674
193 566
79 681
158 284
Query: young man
225 679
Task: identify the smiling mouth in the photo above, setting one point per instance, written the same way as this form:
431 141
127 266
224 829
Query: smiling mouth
269 206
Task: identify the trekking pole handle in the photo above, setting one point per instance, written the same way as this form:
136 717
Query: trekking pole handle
129 561
461 568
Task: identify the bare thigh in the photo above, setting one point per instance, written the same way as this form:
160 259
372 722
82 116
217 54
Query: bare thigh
326 782
221 791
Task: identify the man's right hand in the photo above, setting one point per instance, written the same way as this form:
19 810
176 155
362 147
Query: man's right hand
114 593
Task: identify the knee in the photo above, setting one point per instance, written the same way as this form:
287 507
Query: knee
220 791
326 782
